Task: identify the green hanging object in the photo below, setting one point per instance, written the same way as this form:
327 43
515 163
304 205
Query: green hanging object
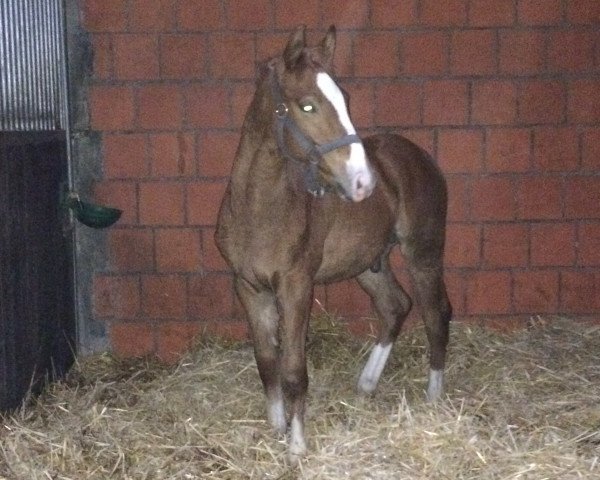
91 214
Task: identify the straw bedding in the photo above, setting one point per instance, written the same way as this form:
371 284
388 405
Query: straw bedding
523 405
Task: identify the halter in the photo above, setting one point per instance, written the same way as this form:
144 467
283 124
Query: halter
313 151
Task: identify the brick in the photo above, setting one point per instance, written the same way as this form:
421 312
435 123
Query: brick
172 154
125 156
493 198
119 194
589 244
212 259
136 56
508 150
200 15
491 13
347 299
583 12
521 52
103 56
443 13
160 107
131 249
183 56
288 13
536 292
111 108
542 101
353 14
174 339
393 13
241 97
458 198
460 150
571 51
397 104
505 245
425 53
161 204
131 340
164 296
178 250
116 296
489 292
211 296
552 244
269 44
582 197
584 101
591 149
473 52
445 102
463 245
217 152
151 16
104 15
249 14
539 12
494 103
579 292
232 55
208 106
203 202
361 103
385 64
556 149
539 198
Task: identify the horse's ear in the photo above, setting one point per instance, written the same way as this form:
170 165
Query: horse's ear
294 47
328 45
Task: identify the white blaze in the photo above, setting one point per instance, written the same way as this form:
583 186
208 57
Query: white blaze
357 162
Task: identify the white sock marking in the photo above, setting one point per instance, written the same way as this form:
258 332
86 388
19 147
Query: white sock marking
374 367
435 389
276 413
297 446
357 162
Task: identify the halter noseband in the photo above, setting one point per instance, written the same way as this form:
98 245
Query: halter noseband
313 152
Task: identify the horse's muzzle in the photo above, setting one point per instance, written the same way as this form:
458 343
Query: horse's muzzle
362 186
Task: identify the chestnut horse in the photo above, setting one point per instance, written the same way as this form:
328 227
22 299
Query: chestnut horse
310 203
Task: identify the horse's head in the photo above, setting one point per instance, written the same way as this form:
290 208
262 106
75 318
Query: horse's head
313 119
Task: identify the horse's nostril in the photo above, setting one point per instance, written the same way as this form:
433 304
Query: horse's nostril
359 184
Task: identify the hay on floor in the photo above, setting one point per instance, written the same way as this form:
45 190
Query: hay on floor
519 406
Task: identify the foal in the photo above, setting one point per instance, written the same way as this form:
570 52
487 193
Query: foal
310 203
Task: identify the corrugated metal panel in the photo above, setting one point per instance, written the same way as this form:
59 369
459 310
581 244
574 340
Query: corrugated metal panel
32 95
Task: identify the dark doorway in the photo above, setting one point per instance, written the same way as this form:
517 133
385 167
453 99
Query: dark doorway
37 324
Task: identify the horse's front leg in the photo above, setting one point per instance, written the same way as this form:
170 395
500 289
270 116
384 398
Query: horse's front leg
294 294
261 310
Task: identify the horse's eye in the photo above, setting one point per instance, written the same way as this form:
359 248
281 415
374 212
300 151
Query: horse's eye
308 108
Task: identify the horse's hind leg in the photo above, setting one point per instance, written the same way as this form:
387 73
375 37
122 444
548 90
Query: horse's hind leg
392 305
430 294
261 310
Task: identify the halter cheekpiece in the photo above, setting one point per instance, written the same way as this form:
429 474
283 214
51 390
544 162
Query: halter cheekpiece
313 151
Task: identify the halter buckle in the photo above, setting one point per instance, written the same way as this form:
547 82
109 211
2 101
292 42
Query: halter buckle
281 110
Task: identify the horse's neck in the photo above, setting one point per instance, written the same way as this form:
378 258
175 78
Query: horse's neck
260 176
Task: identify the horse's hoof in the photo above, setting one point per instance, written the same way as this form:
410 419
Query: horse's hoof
295 456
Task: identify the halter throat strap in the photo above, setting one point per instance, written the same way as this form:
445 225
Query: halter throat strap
313 152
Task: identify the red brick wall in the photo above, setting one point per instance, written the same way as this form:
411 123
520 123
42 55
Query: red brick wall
505 93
